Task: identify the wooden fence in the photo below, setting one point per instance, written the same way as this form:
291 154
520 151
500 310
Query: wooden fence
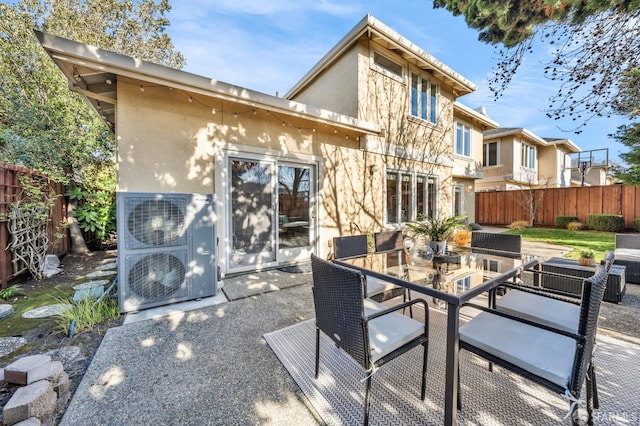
505 207
10 191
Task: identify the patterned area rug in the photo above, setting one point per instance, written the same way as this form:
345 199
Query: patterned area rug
488 398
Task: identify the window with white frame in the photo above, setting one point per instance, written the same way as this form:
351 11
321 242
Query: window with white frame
528 153
490 154
424 98
410 195
462 143
387 65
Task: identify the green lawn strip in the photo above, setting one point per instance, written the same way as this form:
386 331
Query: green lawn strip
597 241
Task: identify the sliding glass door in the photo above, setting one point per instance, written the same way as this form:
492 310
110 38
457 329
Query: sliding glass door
272 212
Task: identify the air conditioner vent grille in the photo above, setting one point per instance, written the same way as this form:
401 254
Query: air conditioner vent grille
156 223
157 276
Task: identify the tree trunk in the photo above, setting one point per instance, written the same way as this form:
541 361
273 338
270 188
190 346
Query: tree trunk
78 245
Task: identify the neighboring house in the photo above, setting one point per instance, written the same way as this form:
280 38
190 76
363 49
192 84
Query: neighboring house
516 158
369 139
376 75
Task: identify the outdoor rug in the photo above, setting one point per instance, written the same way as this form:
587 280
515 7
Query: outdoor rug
488 398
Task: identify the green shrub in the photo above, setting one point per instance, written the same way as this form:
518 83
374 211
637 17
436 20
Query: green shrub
576 226
474 226
563 221
605 222
636 224
9 292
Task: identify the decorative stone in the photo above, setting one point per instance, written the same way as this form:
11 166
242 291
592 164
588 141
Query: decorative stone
11 344
50 371
5 310
100 274
31 421
35 400
47 311
65 354
61 385
90 284
107 267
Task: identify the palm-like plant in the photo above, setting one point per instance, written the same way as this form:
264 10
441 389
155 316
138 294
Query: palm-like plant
437 229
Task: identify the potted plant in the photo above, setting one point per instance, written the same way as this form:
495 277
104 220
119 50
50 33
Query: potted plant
437 230
587 258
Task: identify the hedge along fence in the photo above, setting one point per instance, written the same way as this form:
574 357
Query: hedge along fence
10 191
503 207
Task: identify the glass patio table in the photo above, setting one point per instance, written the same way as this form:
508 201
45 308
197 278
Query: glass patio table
455 279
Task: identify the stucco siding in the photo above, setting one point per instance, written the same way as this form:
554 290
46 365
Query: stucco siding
336 87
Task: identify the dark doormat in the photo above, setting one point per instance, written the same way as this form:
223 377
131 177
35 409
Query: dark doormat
296 269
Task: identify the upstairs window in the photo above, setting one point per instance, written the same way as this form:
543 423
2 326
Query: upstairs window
528 156
387 65
490 154
410 195
424 99
463 140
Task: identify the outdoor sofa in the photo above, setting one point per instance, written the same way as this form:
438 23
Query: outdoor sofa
627 253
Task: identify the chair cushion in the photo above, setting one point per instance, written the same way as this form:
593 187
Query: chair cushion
544 310
389 332
377 286
627 254
371 306
543 353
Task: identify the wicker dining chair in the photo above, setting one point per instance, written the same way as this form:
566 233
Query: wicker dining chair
357 245
552 357
372 336
495 241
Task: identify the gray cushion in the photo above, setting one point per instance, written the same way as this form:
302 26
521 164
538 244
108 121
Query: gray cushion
627 254
389 332
543 353
544 310
371 306
377 286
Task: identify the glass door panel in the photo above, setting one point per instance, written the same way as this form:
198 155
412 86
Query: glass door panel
252 225
295 206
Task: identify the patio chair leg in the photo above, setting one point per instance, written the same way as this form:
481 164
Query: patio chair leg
317 351
423 392
459 392
594 385
366 399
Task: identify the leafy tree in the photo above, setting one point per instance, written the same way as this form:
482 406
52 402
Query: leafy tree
45 126
594 43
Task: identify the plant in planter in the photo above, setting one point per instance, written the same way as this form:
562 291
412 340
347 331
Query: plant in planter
587 258
437 230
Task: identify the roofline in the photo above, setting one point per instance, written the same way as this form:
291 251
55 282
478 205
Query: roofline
368 24
62 49
520 130
568 142
475 114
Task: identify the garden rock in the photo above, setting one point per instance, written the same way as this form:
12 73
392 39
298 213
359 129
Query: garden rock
11 344
47 311
35 400
5 310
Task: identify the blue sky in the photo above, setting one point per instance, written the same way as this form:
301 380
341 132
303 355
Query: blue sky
269 45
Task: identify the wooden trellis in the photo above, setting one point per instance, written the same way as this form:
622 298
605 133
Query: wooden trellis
12 267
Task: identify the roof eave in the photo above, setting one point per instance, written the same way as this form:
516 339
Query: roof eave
68 51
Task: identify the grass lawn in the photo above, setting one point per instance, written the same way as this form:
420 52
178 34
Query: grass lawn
597 241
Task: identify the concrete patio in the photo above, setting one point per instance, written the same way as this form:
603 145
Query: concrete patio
211 365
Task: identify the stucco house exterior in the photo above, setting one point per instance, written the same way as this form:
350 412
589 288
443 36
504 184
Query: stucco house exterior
516 158
369 138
